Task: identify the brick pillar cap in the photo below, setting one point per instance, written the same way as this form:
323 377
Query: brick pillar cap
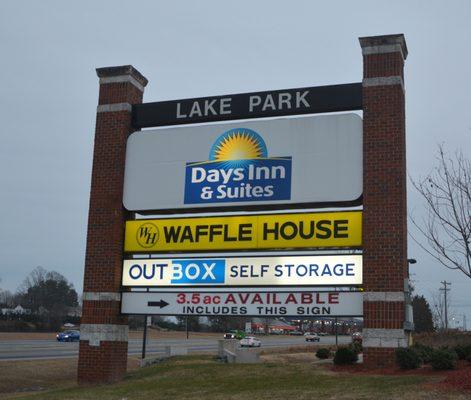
107 72
385 40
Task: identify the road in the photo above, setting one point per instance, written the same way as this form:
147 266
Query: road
47 348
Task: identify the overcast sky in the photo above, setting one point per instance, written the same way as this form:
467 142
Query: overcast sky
49 90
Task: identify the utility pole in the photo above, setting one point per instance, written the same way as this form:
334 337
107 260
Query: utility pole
445 290
464 322
336 333
144 338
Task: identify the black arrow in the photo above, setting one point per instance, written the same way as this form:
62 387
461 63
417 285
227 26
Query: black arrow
161 303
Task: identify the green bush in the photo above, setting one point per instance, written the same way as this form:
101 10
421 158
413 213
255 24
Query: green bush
443 359
323 353
424 352
468 358
407 358
462 351
345 356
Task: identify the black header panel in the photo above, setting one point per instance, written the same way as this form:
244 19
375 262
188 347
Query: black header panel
274 103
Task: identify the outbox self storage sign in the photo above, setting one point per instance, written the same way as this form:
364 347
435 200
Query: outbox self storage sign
268 304
332 270
268 231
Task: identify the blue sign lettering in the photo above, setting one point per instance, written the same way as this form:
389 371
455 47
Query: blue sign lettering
198 271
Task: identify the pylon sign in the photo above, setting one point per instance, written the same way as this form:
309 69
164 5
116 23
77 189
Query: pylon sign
228 183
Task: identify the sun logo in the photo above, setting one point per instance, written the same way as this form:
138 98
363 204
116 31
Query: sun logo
238 144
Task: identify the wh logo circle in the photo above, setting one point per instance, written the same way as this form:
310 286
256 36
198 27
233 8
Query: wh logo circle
147 235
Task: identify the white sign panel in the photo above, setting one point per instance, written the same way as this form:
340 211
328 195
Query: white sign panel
331 270
279 161
295 303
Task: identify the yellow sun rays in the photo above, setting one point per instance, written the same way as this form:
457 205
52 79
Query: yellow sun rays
238 146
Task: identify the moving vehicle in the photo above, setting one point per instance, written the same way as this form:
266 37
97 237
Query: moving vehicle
235 334
296 333
68 336
312 337
250 341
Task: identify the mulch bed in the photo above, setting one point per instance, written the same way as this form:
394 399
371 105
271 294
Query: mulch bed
458 379
363 370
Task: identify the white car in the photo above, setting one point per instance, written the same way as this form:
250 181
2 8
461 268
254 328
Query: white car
250 341
312 337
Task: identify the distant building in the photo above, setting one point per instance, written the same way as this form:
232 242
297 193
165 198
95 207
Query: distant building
18 310
276 326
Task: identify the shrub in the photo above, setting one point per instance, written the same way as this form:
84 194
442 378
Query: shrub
462 351
356 347
424 352
443 359
345 356
323 353
407 358
468 358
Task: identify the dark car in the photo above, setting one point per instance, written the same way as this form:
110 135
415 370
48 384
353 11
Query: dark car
68 336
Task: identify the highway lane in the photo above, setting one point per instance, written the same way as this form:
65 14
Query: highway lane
42 349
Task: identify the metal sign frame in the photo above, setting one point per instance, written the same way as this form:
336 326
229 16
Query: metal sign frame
310 100
187 287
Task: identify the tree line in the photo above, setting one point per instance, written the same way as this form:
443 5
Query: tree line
48 300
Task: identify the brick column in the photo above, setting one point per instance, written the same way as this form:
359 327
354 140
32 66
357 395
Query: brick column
103 331
384 193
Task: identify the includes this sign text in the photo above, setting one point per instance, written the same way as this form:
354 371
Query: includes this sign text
269 304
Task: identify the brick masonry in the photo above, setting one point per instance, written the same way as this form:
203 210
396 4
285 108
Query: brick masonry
378 357
104 363
384 192
105 360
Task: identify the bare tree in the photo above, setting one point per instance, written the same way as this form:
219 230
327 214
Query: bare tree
35 277
447 225
438 311
6 298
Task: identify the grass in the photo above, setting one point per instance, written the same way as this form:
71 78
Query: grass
25 376
20 377
196 377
